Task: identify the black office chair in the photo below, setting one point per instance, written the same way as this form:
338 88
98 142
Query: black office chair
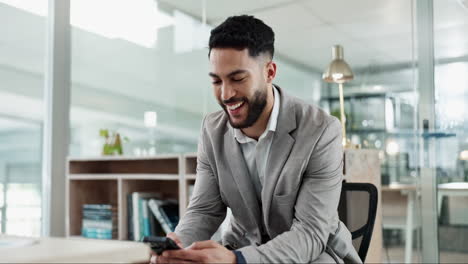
357 210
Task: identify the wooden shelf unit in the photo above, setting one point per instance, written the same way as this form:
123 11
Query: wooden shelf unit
189 173
109 180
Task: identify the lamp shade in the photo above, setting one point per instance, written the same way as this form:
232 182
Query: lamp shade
338 71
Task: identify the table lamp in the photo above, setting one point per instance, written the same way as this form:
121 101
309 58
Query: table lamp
339 72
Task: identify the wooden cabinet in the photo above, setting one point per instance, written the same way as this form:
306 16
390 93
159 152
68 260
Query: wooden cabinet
363 165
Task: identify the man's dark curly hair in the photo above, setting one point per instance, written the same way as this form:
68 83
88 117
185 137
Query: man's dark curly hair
240 32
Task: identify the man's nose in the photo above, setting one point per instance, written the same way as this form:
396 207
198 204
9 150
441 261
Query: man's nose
227 92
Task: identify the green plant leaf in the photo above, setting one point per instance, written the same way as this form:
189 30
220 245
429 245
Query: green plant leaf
104 133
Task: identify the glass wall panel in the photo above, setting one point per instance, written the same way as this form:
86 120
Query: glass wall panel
150 56
378 38
451 91
129 64
22 39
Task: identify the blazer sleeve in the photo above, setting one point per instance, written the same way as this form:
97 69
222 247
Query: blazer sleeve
315 207
206 211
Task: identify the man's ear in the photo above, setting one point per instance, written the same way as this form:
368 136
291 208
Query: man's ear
270 71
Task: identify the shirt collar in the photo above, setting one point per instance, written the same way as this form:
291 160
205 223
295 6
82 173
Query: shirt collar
272 121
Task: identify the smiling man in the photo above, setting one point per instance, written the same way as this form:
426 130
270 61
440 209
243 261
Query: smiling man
273 159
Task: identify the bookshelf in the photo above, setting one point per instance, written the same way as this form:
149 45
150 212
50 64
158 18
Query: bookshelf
109 180
189 174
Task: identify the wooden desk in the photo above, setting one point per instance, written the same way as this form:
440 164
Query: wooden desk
411 192
451 189
76 250
399 187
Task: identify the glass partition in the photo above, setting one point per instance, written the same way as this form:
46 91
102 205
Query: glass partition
147 56
451 93
22 39
118 75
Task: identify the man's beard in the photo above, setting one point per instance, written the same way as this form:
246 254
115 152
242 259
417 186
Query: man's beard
256 106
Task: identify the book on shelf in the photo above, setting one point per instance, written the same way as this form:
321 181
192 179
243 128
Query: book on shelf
166 212
149 215
99 207
130 216
144 218
99 221
155 227
136 226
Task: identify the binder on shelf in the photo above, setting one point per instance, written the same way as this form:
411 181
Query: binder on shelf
170 210
130 216
165 213
144 220
155 227
137 212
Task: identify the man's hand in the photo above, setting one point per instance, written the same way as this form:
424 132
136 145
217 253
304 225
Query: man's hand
199 252
157 259
174 237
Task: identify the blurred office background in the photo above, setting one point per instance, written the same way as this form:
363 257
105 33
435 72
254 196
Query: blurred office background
131 57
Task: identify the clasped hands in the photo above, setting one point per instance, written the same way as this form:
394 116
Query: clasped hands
199 252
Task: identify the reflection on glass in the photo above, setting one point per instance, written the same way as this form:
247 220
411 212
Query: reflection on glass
120 21
22 41
451 94
392 148
122 76
382 104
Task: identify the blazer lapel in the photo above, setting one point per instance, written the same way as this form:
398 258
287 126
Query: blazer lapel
241 176
279 151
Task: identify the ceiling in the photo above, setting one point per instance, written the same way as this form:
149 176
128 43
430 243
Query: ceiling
372 32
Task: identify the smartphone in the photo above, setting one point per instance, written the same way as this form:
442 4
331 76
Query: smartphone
159 244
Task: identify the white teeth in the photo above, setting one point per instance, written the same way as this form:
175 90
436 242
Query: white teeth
234 107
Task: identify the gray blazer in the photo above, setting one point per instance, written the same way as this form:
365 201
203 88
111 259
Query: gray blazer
299 197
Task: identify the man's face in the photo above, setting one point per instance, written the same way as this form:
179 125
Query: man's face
240 84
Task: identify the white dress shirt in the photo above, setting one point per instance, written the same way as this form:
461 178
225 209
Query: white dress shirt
256 152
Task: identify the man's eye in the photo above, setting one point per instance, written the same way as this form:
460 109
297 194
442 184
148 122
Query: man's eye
216 82
238 80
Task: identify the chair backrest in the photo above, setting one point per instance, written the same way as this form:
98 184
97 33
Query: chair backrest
357 210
